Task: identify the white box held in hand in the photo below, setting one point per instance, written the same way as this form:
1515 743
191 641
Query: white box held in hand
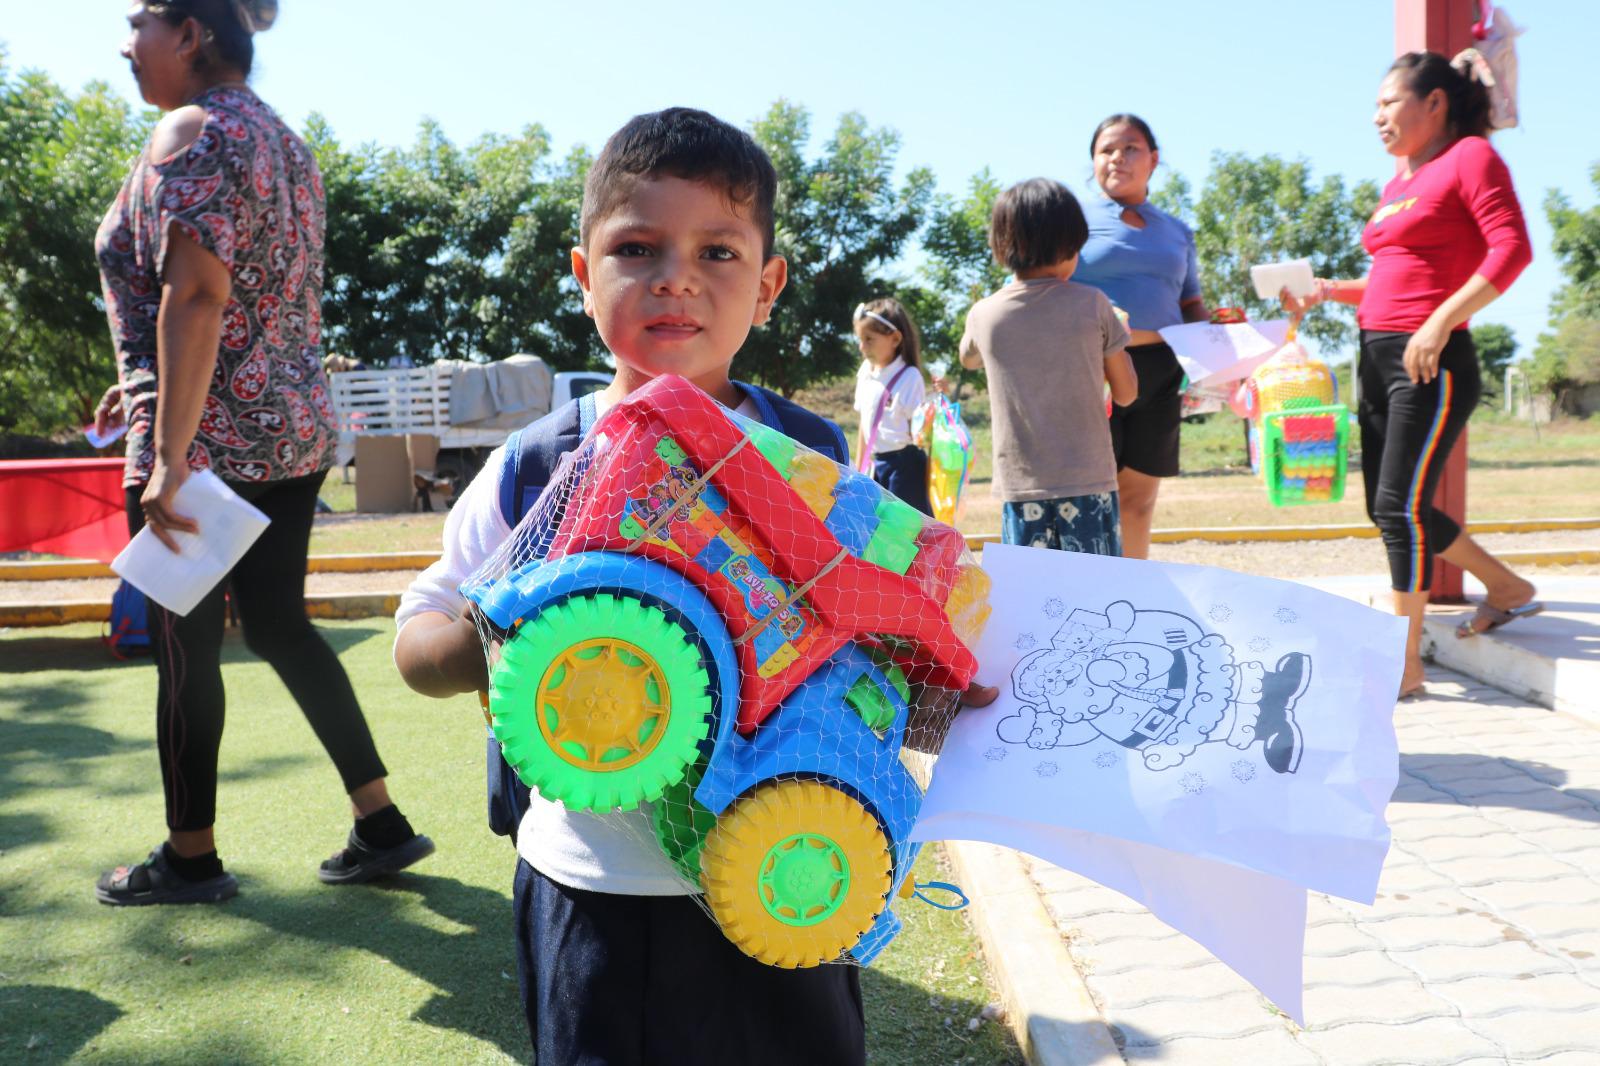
1271 279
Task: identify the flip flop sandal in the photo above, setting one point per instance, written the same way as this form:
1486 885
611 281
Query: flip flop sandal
155 881
1495 617
359 862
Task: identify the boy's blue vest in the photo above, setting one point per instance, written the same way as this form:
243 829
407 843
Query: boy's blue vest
531 457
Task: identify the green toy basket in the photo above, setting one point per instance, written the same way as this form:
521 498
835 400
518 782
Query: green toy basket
1305 452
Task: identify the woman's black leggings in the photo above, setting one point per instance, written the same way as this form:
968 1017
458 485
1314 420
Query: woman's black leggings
269 590
1407 432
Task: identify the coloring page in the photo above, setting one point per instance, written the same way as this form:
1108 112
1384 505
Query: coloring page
1207 743
1238 719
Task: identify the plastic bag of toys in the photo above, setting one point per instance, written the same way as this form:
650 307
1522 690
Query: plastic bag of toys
1301 439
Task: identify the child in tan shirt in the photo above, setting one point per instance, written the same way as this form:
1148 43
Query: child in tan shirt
1050 347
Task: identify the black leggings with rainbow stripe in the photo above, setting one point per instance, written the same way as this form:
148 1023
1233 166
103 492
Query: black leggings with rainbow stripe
1407 432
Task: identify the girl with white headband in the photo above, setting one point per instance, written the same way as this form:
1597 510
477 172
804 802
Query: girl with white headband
889 389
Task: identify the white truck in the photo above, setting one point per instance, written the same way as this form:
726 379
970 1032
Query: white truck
426 430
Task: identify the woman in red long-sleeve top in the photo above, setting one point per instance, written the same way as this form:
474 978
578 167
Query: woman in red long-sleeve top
1446 240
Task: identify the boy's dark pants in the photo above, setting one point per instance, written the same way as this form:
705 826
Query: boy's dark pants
611 980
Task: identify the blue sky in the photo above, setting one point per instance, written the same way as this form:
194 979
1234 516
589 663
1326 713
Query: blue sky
1017 87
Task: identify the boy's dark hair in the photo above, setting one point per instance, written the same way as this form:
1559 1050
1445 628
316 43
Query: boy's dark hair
1467 97
1036 223
228 41
910 346
682 142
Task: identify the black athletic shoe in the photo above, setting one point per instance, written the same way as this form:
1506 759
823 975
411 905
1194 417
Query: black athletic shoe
359 862
155 881
1281 741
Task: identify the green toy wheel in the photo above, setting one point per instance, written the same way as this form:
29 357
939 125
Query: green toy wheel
600 702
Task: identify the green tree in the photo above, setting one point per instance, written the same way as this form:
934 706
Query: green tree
841 221
1496 346
1568 355
1576 241
960 269
1265 209
435 251
1175 197
62 159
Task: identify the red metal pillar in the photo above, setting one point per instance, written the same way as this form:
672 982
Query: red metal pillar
1443 26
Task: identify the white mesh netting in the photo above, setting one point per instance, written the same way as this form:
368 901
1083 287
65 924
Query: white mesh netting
706 622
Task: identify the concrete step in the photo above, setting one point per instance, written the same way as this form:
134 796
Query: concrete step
1551 659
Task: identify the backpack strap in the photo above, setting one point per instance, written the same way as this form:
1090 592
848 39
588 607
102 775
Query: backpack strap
809 428
533 451
586 414
865 464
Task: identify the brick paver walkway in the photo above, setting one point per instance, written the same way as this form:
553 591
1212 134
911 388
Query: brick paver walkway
1483 946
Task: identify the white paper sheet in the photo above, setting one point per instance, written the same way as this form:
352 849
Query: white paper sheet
1240 728
1217 354
1271 279
1254 924
228 526
111 436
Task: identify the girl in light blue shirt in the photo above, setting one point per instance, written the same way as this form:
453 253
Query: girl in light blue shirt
1144 260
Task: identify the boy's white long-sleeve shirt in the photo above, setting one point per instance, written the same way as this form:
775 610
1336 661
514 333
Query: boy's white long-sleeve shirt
613 853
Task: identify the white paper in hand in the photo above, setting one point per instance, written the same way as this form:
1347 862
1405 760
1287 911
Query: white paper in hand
228 526
1272 278
111 436
1215 354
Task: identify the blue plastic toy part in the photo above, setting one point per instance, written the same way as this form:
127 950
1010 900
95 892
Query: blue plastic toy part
854 517
817 733
942 886
525 592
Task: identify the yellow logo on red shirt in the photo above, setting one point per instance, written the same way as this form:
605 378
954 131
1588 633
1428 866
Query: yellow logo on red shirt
1393 208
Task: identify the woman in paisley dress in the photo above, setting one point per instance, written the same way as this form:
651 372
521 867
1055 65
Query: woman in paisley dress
211 261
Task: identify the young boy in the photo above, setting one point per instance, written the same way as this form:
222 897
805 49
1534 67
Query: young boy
616 960
1050 347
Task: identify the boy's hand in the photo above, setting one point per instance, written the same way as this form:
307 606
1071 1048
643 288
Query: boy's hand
979 695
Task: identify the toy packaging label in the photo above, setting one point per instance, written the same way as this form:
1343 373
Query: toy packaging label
695 524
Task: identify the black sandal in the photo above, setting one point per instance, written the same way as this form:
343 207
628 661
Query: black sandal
359 862
155 881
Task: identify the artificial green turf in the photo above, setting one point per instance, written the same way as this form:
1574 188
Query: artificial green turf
420 969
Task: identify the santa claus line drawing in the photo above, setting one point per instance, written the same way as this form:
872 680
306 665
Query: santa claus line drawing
1157 683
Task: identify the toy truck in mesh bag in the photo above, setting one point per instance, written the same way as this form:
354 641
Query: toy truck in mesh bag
727 626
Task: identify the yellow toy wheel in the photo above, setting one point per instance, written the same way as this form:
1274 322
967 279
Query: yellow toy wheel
796 872
601 702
